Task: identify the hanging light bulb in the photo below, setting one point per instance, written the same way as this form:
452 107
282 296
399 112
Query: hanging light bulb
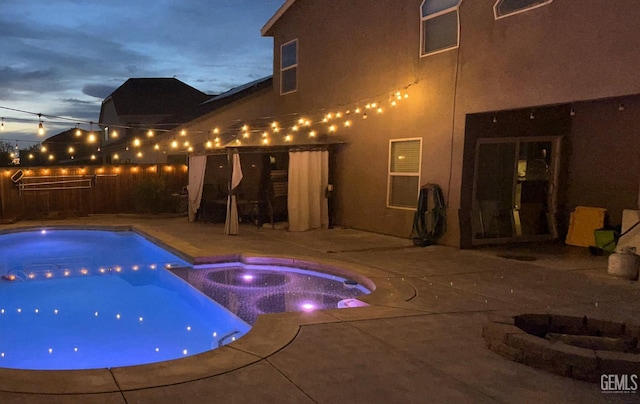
174 144
136 142
183 132
43 148
209 145
92 137
150 133
40 126
139 154
71 150
78 131
114 134
156 147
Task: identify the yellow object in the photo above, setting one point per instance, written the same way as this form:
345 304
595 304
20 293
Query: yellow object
584 220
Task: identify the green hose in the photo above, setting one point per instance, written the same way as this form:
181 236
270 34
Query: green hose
429 225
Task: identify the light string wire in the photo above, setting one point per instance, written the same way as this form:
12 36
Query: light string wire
285 121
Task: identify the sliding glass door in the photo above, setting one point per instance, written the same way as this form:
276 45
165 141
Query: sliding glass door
515 184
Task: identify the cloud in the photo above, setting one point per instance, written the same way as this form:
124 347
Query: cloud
63 57
98 90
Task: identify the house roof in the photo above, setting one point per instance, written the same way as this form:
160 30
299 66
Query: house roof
155 96
68 136
266 30
219 101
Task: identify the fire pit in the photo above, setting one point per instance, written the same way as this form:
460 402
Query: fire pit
578 347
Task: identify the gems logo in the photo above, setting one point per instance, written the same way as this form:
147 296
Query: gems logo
613 383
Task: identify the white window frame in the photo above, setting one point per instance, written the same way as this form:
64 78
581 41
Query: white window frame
524 10
294 66
455 8
391 174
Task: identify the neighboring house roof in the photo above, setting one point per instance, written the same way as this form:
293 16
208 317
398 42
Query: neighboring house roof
154 96
219 101
62 141
266 30
66 137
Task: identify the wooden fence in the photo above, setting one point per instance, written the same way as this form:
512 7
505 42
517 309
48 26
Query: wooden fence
31 193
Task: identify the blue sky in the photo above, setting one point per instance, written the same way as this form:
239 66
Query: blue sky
64 57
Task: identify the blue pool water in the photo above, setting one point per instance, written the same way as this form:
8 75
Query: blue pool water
84 299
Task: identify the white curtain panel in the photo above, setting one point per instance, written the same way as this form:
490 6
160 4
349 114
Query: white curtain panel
308 179
197 167
231 227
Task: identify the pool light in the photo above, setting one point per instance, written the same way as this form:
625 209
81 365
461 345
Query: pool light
307 306
247 277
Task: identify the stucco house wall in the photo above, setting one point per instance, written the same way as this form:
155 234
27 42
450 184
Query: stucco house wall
348 52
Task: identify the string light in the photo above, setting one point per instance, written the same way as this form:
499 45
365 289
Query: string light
394 99
40 126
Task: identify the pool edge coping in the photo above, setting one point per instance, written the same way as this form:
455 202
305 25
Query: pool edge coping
251 348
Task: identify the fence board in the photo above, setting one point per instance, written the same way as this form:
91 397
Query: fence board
112 189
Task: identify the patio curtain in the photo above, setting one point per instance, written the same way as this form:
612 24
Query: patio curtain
231 223
197 167
308 179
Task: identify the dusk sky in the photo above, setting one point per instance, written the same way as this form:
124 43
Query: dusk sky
64 57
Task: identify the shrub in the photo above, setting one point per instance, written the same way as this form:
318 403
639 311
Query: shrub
152 196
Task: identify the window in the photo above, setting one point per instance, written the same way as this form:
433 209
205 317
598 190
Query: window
440 26
289 67
405 157
504 8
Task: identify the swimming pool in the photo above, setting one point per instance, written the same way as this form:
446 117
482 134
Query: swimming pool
92 299
85 299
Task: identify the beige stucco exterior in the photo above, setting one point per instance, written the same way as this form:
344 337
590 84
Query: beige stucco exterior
566 52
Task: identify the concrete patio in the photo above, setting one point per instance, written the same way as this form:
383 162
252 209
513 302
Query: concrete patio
419 341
